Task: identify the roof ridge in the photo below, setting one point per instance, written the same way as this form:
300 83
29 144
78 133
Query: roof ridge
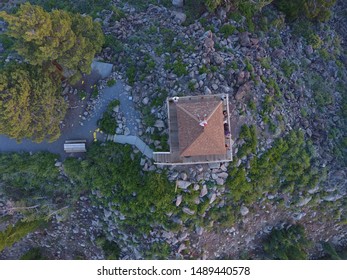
203 134
214 110
187 112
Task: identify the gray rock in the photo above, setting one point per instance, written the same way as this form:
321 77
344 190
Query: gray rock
183 184
58 164
203 191
182 247
199 230
188 211
278 53
218 59
208 41
213 198
159 124
178 200
243 91
244 210
183 236
298 216
184 176
107 213
177 3
304 201
220 181
167 235
207 91
126 131
244 39
214 86
180 17
309 50
223 175
145 100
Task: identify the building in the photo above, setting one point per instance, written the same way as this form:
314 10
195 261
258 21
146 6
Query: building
199 131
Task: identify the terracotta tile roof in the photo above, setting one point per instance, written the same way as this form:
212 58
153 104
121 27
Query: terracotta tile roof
195 140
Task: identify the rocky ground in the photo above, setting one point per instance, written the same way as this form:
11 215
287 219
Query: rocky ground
275 79
249 67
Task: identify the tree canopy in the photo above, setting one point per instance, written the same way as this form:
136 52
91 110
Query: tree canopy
59 37
31 105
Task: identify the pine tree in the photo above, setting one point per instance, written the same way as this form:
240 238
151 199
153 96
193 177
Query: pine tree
31 105
58 37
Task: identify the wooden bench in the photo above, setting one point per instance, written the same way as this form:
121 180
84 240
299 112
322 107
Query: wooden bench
75 146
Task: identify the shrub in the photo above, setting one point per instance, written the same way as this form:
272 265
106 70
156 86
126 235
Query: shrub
265 62
311 9
111 83
249 135
33 254
287 244
113 170
293 172
179 68
288 68
227 30
131 74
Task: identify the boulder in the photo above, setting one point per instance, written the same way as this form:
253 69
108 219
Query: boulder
183 184
244 39
208 41
213 198
223 175
145 100
244 210
177 3
218 59
199 230
180 17
188 211
220 181
182 247
184 176
207 91
178 200
159 124
203 191
243 90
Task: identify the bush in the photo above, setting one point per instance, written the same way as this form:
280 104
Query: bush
110 248
111 83
287 244
311 9
249 135
113 170
286 167
227 30
33 254
107 123
180 68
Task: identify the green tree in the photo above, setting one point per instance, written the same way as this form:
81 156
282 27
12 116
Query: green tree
311 9
13 234
58 37
31 105
287 244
